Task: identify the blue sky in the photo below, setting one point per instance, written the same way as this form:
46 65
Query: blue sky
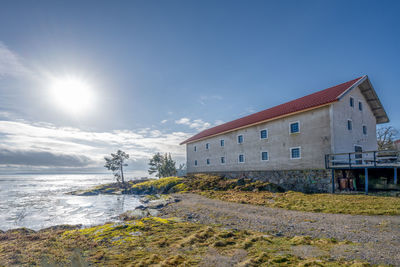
163 70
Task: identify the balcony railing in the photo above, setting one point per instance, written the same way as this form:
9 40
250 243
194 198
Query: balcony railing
367 159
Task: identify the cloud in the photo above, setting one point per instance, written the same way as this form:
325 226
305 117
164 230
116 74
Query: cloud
164 121
42 144
42 158
197 124
218 122
10 63
204 99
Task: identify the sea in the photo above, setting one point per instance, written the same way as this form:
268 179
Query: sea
41 201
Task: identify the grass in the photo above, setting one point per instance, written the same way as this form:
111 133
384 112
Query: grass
159 186
263 193
326 203
160 242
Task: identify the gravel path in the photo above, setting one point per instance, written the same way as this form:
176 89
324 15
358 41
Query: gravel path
379 236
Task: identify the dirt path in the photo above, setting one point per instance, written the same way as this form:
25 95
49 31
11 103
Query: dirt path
379 236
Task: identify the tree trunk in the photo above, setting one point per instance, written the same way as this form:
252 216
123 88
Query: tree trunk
122 175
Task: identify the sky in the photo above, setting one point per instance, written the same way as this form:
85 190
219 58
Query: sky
160 71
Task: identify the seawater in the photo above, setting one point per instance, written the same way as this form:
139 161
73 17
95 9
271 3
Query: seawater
40 201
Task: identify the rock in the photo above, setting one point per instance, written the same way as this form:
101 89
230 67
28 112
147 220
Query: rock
61 227
153 212
21 231
157 204
134 214
137 233
140 207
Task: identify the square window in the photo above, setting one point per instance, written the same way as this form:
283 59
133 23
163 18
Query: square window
351 102
222 142
195 163
241 158
295 153
349 125
364 130
208 161
295 127
207 146
360 106
195 148
264 134
240 139
222 160
264 155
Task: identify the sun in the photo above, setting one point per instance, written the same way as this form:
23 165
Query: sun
72 94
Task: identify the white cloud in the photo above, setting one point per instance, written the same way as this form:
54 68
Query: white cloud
204 99
32 144
218 122
197 124
164 121
10 63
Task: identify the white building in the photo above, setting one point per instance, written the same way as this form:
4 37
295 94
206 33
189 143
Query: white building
293 136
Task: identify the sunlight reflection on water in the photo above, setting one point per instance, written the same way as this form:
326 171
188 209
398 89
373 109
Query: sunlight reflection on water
39 201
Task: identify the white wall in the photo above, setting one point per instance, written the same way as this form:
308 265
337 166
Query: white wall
345 140
314 139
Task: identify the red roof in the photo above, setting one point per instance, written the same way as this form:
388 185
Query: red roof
306 102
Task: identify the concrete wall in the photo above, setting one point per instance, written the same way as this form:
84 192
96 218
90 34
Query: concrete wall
343 140
314 139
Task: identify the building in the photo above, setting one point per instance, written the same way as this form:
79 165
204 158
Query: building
397 144
287 144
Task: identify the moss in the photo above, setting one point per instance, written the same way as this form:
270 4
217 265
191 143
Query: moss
326 203
165 242
158 186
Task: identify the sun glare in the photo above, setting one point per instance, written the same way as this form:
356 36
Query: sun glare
71 94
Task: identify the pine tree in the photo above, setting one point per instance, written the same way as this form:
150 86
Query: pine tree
116 164
162 165
155 164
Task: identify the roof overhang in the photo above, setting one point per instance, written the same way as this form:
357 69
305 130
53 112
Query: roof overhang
371 97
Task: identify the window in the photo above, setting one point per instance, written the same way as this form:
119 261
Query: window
295 153
240 139
195 163
349 125
241 158
264 155
264 134
222 160
195 148
364 130
360 107
207 146
351 102
222 142
295 127
208 161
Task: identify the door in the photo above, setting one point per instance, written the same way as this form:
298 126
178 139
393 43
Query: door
358 156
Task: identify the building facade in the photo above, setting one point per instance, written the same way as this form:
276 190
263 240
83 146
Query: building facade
293 136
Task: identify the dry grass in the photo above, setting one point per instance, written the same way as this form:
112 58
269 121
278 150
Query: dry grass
326 203
160 242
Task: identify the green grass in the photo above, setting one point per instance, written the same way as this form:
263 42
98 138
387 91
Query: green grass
159 186
161 242
326 203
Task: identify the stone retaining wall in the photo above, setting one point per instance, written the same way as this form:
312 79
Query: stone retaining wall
307 181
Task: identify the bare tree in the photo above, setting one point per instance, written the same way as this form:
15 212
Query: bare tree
116 164
385 136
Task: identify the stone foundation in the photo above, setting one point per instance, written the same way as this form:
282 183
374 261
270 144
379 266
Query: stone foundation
307 181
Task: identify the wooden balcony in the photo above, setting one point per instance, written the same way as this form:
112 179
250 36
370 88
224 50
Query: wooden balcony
362 160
